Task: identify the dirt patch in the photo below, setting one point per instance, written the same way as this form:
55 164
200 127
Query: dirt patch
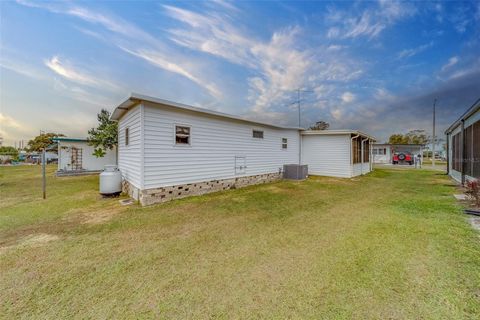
93 215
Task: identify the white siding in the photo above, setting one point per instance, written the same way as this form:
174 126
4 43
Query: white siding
382 158
327 155
357 169
130 156
89 161
214 144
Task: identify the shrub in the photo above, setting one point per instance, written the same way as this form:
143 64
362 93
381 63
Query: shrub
473 191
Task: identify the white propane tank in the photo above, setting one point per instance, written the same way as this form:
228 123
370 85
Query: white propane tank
110 181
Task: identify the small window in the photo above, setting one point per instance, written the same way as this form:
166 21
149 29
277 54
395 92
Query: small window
258 134
182 135
284 143
126 136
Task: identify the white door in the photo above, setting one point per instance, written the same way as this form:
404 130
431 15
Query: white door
240 165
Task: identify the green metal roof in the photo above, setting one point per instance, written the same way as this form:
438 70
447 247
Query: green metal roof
69 139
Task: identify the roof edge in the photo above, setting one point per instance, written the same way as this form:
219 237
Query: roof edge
136 98
70 139
474 108
337 132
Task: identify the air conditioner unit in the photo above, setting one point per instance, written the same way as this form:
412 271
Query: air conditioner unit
295 171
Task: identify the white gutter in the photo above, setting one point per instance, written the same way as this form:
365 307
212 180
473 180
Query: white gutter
363 153
300 142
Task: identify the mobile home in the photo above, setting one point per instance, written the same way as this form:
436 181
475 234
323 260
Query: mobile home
76 157
168 150
383 153
463 145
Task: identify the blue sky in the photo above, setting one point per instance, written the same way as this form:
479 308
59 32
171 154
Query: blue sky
373 66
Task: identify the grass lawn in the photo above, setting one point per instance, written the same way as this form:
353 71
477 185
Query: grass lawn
390 245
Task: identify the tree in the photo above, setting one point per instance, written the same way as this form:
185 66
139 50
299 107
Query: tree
320 125
411 137
43 141
9 151
397 139
105 136
417 137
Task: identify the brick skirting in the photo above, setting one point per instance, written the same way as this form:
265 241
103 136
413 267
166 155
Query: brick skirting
164 194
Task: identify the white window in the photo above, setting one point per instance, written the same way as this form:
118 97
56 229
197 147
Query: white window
284 143
126 136
182 135
257 134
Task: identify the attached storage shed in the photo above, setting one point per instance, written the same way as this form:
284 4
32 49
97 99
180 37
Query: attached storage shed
463 145
337 153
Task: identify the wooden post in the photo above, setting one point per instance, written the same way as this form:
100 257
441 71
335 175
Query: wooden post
44 178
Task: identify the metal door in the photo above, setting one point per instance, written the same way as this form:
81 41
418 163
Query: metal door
240 164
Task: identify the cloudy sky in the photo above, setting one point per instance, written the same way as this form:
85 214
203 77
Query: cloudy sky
373 66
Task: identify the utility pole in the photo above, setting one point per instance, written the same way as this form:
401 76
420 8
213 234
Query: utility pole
433 138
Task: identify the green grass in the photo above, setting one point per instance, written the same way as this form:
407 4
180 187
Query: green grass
390 245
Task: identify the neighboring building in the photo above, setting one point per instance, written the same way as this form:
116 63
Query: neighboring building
75 156
383 153
336 153
463 145
169 150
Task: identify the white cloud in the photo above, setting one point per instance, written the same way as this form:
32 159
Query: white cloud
8 122
368 23
336 114
348 97
280 64
11 129
451 62
75 74
21 68
335 47
127 37
158 60
407 53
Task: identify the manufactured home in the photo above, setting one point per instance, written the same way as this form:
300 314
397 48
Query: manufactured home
463 145
168 150
76 157
383 153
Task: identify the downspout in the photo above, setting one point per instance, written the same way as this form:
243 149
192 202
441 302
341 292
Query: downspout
300 142
363 153
351 154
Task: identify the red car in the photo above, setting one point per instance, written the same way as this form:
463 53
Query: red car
402 158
